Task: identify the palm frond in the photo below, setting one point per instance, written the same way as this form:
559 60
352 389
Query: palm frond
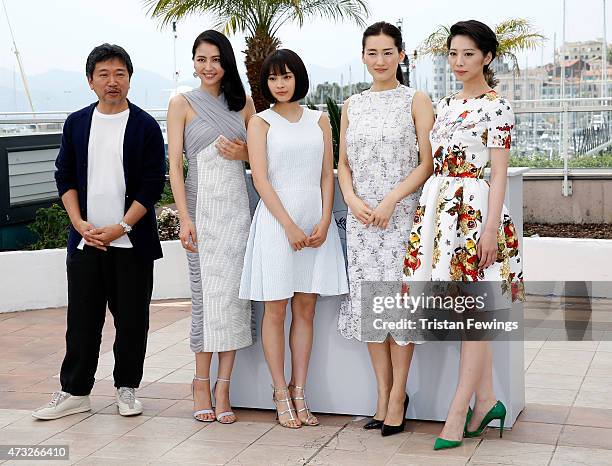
514 35
167 11
355 11
524 42
258 16
435 43
514 26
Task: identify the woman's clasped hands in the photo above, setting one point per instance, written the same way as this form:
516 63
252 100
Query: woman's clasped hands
379 216
299 240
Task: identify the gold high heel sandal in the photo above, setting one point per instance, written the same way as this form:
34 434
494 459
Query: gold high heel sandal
311 419
290 409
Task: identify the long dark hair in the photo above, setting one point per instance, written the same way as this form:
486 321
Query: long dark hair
390 30
231 84
484 38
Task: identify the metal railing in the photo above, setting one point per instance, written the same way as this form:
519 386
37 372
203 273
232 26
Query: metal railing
566 127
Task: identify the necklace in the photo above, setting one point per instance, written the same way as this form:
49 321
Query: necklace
378 146
384 120
391 89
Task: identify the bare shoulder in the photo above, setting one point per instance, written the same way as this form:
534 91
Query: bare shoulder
178 102
323 120
345 107
256 122
421 105
421 97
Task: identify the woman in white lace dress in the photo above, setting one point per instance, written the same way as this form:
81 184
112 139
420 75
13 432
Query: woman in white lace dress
380 174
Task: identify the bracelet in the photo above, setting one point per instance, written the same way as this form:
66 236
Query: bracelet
126 228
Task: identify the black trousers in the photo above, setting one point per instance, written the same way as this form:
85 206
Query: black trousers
117 278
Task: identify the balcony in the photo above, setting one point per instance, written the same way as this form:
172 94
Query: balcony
562 371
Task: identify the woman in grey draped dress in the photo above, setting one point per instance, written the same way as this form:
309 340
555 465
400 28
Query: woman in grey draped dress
209 125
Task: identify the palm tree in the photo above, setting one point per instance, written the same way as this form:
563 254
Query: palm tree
513 35
260 20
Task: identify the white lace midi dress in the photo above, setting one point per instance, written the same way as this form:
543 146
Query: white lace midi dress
382 151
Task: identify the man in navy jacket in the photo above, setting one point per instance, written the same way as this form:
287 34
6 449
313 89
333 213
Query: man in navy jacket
110 173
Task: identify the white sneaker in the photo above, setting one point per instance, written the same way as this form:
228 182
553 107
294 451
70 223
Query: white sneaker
62 404
127 402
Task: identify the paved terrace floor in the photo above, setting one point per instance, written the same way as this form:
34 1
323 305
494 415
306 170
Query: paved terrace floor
567 420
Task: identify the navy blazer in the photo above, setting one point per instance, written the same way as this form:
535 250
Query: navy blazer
144 168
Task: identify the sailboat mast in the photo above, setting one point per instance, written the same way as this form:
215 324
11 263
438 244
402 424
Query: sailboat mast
23 76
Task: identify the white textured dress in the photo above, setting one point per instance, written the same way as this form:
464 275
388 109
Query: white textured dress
382 151
272 269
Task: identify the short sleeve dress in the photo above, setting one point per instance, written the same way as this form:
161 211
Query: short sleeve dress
453 205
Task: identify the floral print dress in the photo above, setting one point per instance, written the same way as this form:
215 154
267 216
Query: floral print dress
452 209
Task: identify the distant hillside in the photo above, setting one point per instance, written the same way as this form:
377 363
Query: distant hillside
68 90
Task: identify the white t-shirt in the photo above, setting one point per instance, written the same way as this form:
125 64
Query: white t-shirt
105 177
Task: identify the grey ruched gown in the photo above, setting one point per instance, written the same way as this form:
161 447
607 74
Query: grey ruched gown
218 204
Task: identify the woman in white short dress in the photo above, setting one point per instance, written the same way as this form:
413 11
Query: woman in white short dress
293 251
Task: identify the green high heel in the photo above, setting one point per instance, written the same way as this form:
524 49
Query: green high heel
498 411
443 444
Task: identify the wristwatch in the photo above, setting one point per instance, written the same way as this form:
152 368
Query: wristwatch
126 228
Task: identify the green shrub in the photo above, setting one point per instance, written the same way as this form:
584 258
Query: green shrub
334 118
51 226
167 196
603 160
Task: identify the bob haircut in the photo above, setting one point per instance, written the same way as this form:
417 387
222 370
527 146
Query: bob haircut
277 63
231 84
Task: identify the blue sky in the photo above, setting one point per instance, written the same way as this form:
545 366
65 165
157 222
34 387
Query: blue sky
58 34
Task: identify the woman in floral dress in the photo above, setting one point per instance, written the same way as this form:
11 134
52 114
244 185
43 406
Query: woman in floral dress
461 229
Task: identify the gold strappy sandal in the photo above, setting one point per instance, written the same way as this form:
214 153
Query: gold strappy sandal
290 409
311 419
